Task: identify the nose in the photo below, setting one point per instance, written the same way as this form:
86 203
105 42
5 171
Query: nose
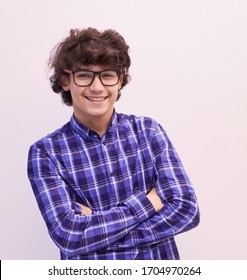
96 84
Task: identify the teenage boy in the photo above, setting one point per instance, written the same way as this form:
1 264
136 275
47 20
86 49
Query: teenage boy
108 185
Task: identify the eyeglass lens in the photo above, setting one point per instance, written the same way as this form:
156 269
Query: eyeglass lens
85 78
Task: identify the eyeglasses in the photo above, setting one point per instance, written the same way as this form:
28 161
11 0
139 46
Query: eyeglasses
84 78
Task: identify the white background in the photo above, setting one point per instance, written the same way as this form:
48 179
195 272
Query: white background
189 67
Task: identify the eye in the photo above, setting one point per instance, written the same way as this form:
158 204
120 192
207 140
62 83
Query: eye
83 75
108 74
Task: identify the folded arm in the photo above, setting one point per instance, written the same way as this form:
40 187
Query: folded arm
77 230
152 196
180 212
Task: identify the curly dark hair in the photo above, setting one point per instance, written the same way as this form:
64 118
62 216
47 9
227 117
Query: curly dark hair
88 47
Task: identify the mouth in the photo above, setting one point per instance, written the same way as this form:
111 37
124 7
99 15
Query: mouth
96 99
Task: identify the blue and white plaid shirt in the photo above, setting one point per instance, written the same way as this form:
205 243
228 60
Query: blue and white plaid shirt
112 175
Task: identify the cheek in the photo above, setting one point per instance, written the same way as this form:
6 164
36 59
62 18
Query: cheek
75 94
120 82
115 93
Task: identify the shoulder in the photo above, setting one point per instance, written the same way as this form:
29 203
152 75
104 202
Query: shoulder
143 124
54 138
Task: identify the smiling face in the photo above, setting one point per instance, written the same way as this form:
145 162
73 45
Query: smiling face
94 104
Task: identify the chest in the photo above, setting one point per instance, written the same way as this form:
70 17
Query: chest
107 172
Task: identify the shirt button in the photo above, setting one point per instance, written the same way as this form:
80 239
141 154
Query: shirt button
104 143
112 174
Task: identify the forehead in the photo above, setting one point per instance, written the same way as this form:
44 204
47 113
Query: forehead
94 67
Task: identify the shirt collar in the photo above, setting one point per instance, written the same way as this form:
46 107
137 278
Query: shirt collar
87 133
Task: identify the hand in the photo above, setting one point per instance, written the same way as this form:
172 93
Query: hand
155 199
85 210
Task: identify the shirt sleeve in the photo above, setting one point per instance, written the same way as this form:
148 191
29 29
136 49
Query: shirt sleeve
75 234
181 212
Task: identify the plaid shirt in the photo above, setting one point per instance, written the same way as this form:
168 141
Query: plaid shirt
112 175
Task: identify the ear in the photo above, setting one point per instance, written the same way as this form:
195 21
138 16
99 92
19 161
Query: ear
65 83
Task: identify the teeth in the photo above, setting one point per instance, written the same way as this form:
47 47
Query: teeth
98 99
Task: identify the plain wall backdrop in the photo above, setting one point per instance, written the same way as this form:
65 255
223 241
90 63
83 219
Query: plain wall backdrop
189 72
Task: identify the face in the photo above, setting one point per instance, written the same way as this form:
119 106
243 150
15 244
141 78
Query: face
94 102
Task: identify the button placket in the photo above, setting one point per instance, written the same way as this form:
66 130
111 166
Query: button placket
105 151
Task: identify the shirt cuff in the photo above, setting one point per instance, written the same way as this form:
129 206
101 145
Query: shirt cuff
141 206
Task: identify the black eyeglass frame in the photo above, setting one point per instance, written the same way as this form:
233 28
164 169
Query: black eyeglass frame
118 72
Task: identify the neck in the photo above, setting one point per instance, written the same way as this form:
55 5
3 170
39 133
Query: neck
97 124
